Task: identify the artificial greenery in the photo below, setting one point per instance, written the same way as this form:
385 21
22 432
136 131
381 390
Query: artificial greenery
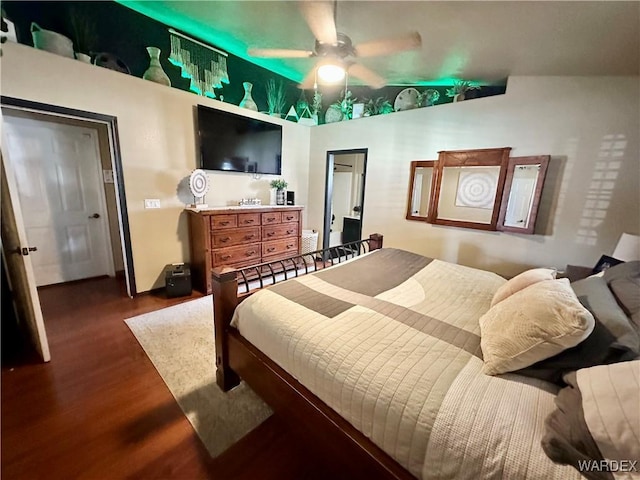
278 184
377 106
460 87
83 31
346 104
275 96
428 97
316 103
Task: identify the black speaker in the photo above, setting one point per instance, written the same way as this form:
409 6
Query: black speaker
291 198
177 280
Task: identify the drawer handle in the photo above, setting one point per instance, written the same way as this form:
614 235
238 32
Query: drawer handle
251 252
270 234
225 239
225 257
271 249
271 219
224 223
290 231
289 246
249 237
250 220
290 218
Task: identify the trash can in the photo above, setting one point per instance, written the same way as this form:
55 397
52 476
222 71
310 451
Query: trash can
309 244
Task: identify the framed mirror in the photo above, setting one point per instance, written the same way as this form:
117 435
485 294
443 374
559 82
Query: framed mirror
523 189
420 189
468 188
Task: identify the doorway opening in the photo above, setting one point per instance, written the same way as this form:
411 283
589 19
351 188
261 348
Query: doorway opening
344 196
97 134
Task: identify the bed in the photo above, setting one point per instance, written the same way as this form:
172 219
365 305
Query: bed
380 359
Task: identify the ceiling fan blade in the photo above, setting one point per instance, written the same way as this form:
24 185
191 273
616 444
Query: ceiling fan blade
319 17
279 53
386 46
369 77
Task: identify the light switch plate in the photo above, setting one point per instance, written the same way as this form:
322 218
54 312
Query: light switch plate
151 203
107 176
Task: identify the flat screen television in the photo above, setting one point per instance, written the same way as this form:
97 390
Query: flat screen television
233 143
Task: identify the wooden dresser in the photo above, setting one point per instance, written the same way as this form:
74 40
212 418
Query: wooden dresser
239 237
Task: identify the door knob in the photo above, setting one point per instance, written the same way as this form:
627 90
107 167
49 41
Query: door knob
95 215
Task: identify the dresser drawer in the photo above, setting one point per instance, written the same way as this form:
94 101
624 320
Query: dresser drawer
239 236
224 221
280 231
248 219
234 255
290 216
271 218
277 247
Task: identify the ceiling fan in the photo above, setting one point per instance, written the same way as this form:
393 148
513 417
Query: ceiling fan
335 52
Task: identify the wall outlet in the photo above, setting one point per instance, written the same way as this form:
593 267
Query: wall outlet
151 203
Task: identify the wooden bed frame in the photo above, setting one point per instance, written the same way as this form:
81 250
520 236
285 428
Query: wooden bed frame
303 412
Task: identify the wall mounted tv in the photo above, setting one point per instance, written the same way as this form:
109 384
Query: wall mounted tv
233 143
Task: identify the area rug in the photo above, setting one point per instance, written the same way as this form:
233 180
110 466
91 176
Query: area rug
179 341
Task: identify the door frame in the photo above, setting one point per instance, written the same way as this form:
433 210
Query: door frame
328 189
111 123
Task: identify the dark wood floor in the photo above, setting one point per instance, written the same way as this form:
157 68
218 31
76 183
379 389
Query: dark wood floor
100 410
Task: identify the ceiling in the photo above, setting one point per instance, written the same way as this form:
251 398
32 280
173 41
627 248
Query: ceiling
482 41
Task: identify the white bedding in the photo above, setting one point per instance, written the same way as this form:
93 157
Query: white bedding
398 355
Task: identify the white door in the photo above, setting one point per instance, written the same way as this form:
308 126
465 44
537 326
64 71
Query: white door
58 178
17 255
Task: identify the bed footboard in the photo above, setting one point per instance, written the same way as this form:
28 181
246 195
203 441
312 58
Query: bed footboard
226 297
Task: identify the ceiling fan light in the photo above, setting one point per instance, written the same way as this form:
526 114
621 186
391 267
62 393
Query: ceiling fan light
331 73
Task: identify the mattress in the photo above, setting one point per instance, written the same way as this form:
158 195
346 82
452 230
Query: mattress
391 342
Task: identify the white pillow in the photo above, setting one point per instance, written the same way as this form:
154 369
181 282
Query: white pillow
521 281
533 324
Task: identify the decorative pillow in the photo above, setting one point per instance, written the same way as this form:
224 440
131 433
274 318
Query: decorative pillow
614 338
521 281
535 323
596 424
624 281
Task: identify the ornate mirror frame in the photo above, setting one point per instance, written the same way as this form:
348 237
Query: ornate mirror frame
533 195
492 183
416 192
459 161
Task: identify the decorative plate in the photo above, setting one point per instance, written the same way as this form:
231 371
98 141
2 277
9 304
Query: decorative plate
406 100
198 183
333 114
110 61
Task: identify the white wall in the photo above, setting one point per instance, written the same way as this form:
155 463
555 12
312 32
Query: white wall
585 124
157 144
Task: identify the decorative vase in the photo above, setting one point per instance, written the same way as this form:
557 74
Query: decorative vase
51 41
273 196
280 197
247 100
155 73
